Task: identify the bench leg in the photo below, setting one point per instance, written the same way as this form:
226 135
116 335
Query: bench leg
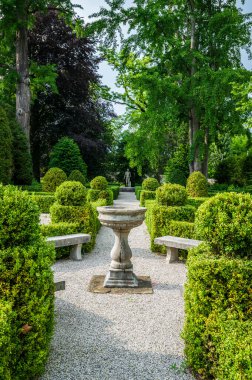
172 255
75 252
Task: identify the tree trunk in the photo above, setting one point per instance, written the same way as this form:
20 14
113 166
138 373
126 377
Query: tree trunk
23 94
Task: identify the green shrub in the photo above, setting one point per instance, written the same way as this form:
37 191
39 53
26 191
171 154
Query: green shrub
115 190
150 184
177 169
76 175
34 187
230 343
138 192
146 195
180 229
59 229
108 195
158 219
22 161
44 202
171 195
225 221
52 179
150 202
83 215
6 338
196 202
19 218
93 195
66 156
98 203
99 183
197 185
6 162
215 285
71 193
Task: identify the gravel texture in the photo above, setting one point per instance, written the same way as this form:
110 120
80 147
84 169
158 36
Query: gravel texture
118 337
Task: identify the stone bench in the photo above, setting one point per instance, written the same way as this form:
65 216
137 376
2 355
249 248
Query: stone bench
174 243
74 240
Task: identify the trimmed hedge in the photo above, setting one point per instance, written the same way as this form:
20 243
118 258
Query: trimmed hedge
196 185
150 184
146 195
196 202
180 229
26 286
71 193
76 175
44 202
94 195
115 190
225 221
99 183
138 190
171 195
216 285
158 219
52 179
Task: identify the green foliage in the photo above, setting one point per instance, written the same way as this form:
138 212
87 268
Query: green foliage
19 218
158 219
115 190
26 282
71 193
99 183
180 229
225 222
146 195
22 162
138 191
150 184
196 185
35 186
93 195
214 286
6 343
53 178
44 202
59 229
66 156
177 169
6 162
171 195
76 175
107 195
196 202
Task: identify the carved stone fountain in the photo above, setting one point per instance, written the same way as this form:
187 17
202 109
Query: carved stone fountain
121 220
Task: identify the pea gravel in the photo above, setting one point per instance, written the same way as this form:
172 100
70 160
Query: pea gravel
118 337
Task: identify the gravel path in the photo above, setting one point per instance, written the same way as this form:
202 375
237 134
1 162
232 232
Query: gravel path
118 337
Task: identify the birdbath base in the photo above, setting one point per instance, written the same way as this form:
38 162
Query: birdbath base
120 279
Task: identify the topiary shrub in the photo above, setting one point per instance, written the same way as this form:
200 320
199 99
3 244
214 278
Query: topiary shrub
196 202
44 202
19 218
26 282
197 185
146 195
150 184
107 195
66 156
225 222
99 183
177 168
6 338
93 195
71 193
171 195
76 175
6 163
52 179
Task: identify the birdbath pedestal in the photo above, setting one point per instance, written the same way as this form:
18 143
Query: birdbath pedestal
121 220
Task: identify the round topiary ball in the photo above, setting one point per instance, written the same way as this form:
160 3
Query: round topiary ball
76 175
225 222
19 218
71 193
150 184
197 185
52 179
99 183
171 195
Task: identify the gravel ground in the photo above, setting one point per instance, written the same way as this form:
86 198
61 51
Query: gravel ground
118 337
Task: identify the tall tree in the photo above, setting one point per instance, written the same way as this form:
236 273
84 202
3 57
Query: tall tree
16 17
75 109
191 50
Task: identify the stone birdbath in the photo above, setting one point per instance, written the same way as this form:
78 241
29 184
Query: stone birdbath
121 220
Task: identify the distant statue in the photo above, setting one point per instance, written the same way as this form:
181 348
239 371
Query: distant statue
127 176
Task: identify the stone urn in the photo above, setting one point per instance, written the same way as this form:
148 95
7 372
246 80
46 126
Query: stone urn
121 220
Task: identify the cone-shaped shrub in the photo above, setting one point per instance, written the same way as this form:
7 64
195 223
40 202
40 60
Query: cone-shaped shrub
5 149
66 156
196 185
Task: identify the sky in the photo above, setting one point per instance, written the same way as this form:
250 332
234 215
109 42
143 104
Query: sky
108 75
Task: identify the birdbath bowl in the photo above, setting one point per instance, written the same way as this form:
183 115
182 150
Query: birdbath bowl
121 220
